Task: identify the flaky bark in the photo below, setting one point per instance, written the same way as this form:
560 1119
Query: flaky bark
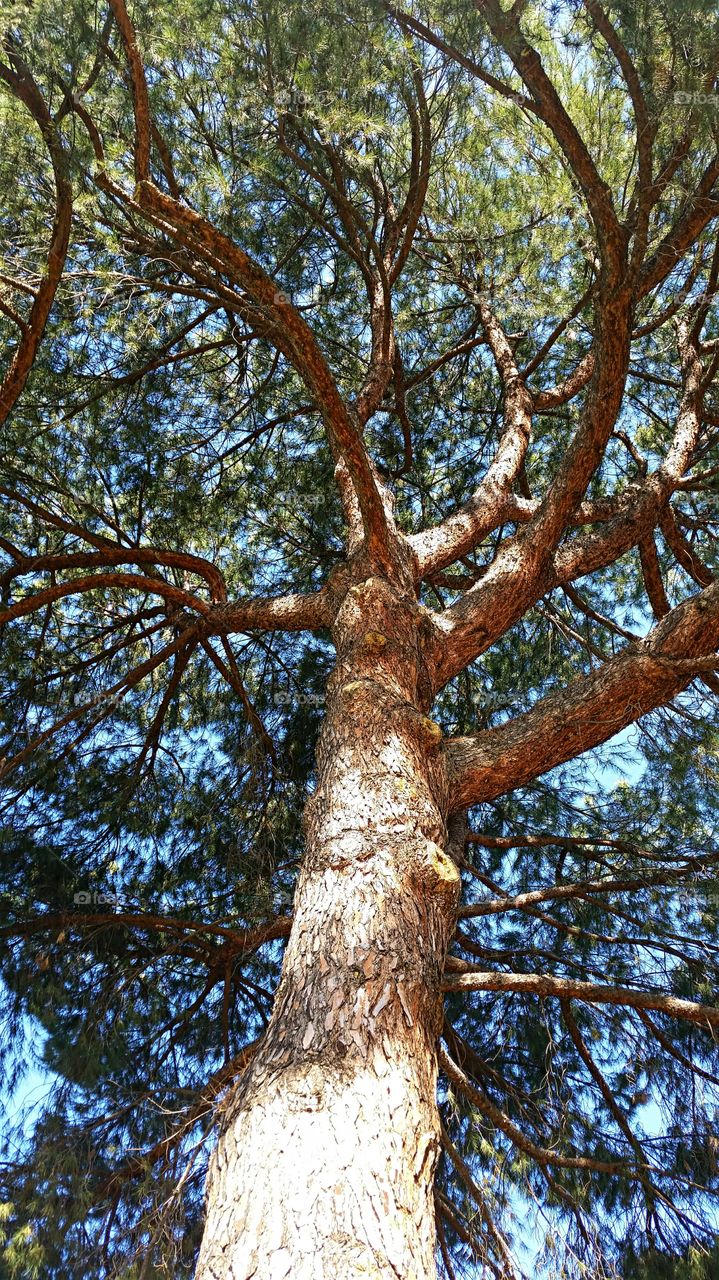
325 1166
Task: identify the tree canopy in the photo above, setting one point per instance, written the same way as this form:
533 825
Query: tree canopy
267 272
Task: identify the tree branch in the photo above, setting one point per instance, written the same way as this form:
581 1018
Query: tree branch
287 327
23 86
592 993
542 1155
591 709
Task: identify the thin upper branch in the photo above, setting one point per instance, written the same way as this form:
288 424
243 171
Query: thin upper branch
549 107
591 889
493 501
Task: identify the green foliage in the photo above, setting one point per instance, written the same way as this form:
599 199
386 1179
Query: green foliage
695 1265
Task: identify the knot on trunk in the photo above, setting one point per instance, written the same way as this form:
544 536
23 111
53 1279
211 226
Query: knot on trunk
437 871
374 641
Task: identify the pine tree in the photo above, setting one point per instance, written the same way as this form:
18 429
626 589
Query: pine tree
359 628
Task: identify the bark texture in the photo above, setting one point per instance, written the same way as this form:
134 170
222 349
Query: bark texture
325 1167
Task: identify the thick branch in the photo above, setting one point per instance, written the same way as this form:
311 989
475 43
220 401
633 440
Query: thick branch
537 984
591 710
95 581
260 613
241 941
520 574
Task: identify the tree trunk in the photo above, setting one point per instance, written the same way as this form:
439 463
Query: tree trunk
325 1166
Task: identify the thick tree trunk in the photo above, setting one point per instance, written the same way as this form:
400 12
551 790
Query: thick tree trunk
324 1170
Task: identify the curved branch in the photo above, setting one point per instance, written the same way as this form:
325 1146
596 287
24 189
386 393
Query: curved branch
77 586
258 613
542 1155
23 86
121 556
286 326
